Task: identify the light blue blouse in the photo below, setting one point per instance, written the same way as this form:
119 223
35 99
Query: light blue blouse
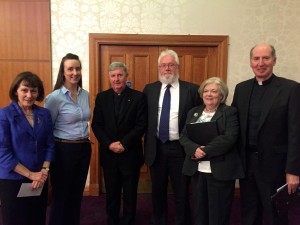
70 118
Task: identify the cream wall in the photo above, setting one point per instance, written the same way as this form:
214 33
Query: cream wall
247 22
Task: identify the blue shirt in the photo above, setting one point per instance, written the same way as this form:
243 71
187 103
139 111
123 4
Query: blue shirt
70 118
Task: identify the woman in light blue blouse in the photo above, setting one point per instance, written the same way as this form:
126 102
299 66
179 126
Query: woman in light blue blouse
69 105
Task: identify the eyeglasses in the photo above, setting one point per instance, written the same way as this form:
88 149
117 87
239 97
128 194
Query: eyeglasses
170 65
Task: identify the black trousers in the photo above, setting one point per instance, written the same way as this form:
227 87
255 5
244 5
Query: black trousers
23 210
168 163
212 199
118 181
68 177
255 193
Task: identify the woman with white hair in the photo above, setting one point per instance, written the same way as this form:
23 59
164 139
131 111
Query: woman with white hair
215 165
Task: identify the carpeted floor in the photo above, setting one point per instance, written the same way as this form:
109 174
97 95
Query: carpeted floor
93 210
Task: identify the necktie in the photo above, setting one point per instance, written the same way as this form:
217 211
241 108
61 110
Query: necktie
163 132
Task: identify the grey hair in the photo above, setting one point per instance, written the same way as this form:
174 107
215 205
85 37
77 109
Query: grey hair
116 65
169 52
273 51
221 84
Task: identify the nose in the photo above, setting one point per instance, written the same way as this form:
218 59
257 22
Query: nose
29 94
261 62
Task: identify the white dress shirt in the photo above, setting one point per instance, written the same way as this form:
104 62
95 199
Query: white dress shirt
174 110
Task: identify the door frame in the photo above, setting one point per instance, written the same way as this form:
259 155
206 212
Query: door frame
97 39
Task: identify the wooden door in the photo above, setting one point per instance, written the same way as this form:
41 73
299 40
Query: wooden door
197 62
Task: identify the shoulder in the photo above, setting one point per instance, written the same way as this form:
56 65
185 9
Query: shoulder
245 83
285 81
135 92
6 111
53 96
106 92
152 85
197 108
228 110
103 95
10 109
84 92
188 85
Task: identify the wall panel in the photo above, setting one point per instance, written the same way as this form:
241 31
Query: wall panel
24 42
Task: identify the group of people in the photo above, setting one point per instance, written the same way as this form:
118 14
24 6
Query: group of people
258 142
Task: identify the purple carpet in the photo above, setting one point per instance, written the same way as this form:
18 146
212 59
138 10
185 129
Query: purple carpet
93 210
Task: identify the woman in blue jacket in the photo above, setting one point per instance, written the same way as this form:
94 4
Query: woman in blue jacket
26 150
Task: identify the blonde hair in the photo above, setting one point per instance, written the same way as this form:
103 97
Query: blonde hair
221 84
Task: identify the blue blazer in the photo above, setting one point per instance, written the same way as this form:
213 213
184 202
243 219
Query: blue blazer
21 143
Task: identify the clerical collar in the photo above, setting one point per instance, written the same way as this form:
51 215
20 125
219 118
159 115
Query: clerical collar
265 82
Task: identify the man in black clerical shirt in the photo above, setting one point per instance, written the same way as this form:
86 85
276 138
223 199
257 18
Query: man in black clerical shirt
268 108
119 123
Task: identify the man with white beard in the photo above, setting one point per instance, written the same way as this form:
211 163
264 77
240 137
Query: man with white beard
169 101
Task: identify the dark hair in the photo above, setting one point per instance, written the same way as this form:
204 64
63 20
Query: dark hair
60 77
29 79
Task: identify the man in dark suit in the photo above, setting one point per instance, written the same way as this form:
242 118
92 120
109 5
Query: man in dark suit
163 153
268 108
119 123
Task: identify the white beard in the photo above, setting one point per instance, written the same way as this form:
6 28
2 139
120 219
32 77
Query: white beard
171 79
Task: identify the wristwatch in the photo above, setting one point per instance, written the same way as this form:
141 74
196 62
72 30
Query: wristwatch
46 168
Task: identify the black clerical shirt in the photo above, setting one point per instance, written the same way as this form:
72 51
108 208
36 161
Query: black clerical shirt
255 107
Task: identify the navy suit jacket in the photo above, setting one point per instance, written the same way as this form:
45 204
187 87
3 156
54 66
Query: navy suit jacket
189 98
21 143
221 151
278 131
129 128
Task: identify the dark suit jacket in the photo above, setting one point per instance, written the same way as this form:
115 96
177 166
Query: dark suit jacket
221 151
189 98
128 129
278 130
19 142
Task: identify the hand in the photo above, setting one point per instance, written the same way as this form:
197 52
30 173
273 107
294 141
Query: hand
36 184
199 153
116 147
292 182
40 176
